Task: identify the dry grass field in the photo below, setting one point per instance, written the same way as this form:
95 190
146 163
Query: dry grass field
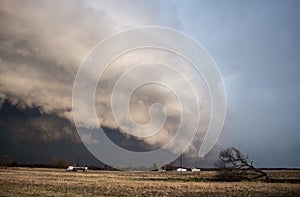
56 182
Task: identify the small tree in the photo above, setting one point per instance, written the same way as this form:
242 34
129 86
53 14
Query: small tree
233 166
5 160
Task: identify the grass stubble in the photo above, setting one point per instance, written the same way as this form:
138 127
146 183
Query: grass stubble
57 182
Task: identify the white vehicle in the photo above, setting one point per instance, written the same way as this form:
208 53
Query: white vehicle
195 169
74 169
181 170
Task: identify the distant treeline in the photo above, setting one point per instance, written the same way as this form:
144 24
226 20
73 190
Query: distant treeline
59 162
108 168
42 165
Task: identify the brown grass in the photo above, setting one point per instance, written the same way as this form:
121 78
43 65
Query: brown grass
54 182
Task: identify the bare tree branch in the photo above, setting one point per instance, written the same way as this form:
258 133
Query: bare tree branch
231 160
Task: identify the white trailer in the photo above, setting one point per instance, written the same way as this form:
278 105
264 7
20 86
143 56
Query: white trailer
76 168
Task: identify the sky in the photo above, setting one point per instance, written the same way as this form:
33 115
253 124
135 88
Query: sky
254 43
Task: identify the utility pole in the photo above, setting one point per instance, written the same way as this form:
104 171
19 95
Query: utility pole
77 163
181 161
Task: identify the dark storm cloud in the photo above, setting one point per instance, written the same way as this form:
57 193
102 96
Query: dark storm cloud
29 125
256 45
41 46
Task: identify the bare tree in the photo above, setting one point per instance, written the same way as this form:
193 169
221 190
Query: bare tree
233 165
60 162
5 160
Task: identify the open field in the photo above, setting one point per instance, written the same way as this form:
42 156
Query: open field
57 182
